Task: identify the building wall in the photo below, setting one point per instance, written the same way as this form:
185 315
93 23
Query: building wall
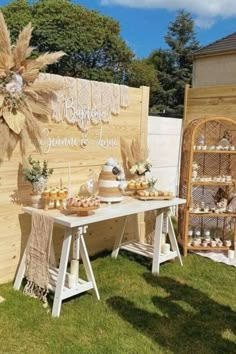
164 139
214 70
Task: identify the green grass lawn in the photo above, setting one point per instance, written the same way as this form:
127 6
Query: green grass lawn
188 309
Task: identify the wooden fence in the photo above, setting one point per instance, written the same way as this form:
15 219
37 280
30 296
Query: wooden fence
103 142
211 101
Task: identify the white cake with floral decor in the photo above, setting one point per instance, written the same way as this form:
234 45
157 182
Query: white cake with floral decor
111 182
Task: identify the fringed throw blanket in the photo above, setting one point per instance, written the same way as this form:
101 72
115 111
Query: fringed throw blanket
37 267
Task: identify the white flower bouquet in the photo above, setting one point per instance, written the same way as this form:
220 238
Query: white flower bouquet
141 167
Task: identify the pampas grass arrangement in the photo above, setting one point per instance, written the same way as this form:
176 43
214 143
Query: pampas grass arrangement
132 154
23 98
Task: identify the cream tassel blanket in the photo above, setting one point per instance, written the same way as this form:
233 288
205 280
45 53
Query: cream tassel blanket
37 268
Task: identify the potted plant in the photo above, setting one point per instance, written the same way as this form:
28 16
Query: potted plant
37 175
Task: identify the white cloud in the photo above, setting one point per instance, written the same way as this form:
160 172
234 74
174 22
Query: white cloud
206 11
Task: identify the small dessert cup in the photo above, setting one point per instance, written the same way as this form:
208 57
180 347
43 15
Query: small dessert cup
204 243
190 241
190 232
227 243
219 243
195 243
213 243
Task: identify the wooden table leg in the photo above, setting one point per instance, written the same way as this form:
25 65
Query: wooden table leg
74 264
87 265
173 240
22 267
62 273
21 272
118 239
157 244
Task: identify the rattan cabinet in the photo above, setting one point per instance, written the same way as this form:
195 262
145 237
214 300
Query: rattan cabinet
207 220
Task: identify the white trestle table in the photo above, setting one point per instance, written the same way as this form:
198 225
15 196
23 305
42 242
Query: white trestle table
76 226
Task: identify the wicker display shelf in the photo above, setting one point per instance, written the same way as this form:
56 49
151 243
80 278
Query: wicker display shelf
212 183
216 215
212 163
215 151
208 248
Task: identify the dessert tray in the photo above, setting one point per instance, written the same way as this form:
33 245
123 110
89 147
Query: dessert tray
164 197
138 184
54 195
157 195
82 206
81 211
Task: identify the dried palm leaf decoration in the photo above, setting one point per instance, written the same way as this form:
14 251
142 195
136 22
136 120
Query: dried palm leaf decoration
23 98
131 153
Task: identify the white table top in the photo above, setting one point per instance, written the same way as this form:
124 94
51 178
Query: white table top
107 211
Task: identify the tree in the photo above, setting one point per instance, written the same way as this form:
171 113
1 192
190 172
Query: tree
174 66
142 73
17 14
162 99
91 41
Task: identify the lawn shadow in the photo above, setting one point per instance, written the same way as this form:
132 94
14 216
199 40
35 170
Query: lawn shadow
139 259
185 320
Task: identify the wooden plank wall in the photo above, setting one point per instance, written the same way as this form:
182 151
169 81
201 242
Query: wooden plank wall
14 192
211 101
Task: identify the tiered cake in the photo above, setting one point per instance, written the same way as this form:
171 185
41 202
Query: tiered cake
109 186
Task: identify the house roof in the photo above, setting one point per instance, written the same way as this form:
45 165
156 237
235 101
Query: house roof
223 45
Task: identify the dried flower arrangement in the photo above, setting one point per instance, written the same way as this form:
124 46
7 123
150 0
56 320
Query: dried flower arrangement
134 157
23 98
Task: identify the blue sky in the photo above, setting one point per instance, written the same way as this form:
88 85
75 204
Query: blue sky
144 23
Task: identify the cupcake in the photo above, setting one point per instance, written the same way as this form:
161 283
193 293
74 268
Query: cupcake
53 193
60 193
144 184
97 201
78 202
70 202
65 191
131 185
46 192
84 203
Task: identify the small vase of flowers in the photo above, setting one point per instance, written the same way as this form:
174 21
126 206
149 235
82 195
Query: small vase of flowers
141 167
37 175
152 184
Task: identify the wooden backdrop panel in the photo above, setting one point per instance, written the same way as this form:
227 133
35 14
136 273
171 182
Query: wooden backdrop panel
15 192
212 101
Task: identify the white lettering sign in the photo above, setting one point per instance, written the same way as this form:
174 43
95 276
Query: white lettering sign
81 117
48 142
106 143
